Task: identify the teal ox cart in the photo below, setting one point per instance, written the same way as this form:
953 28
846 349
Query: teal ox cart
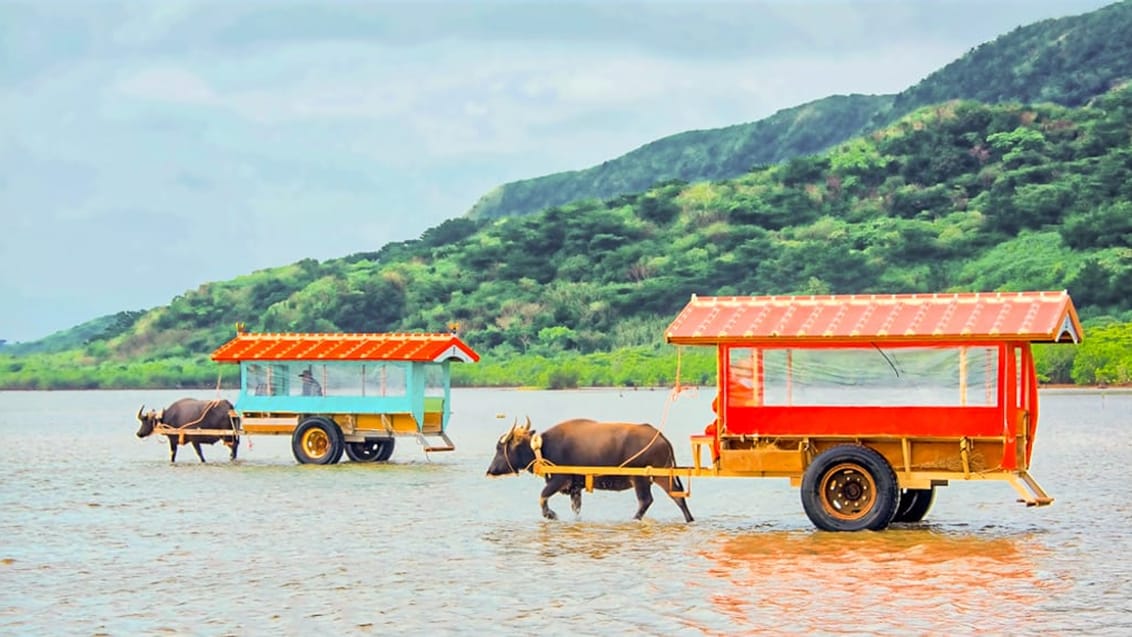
345 393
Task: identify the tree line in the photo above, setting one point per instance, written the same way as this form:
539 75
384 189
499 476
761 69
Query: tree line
959 196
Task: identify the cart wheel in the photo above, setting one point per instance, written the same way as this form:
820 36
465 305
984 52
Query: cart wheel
317 440
914 504
372 450
850 488
386 449
363 451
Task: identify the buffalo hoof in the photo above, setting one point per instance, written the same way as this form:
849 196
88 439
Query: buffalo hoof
550 515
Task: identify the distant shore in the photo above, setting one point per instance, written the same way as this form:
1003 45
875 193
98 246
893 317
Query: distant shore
1101 387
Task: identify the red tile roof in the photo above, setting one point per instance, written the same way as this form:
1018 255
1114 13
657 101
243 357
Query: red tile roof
344 347
970 316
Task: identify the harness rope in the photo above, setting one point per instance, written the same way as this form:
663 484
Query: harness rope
204 412
231 418
536 446
643 449
677 389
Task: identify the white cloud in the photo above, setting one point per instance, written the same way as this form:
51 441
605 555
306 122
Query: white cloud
384 118
510 97
168 84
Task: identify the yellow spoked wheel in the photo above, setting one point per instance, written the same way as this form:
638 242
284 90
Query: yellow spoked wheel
317 440
850 488
316 443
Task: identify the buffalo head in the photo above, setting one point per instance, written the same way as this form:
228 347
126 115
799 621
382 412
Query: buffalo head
513 453
148 419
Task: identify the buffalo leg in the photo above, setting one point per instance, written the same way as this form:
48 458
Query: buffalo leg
574 490
644 495
235 445
200 452
172 450
673 484
554 484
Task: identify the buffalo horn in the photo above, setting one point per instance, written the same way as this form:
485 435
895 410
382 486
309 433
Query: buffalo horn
527 427
140 410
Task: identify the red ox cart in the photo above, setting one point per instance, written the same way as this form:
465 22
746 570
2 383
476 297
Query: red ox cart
870 402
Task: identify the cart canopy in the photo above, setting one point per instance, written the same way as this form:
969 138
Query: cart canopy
423 347
1036 317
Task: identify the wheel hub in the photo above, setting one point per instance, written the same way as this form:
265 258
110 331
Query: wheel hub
847 492
316 442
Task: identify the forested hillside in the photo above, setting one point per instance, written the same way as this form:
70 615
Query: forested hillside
1066 61
718 153
955 196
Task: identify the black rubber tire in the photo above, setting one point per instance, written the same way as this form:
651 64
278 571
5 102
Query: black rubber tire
317 440
914 504
372 450
850 488
363 451
386 449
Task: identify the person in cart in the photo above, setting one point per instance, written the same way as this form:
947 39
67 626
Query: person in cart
311 387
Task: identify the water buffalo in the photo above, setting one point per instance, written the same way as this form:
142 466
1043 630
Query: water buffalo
583 442
188 414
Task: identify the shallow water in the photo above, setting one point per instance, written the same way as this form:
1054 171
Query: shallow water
101 535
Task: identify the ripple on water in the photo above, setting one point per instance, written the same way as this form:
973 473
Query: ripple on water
107 537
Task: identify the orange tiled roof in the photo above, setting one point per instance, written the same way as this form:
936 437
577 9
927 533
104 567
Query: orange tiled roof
1025 316
344 347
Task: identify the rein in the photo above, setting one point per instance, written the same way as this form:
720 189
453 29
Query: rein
536 446
643 449
677 389
204 412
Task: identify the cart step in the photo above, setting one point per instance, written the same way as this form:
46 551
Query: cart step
1031 492
428 447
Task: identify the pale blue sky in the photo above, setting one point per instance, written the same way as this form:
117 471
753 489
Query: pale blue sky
149 147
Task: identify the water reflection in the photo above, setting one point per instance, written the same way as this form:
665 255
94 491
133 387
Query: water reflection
918 580
581 540
97 525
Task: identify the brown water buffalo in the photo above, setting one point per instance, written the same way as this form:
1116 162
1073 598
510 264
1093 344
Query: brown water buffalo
583 442
189 414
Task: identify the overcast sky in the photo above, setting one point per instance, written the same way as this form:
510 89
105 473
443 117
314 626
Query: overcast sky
149 147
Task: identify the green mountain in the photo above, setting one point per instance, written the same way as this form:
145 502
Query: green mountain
718 153
100 328
1024 193
955 196
1066 61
